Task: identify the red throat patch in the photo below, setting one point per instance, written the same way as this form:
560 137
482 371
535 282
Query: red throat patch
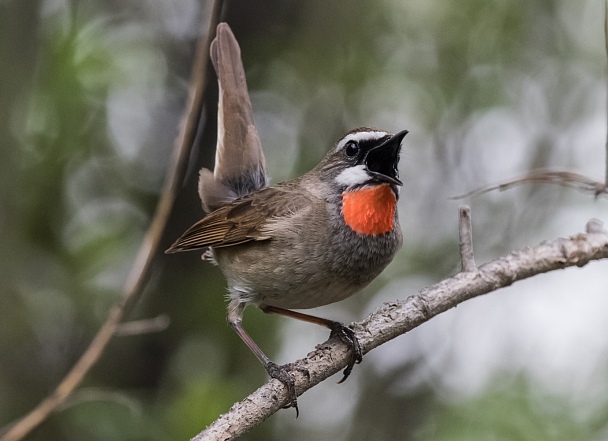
370 210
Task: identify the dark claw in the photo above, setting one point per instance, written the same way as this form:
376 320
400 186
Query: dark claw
282 374
347 335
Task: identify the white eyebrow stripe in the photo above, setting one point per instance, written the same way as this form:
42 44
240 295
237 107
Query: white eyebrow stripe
353 176
361 136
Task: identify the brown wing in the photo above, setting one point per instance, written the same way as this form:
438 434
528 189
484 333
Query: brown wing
241 221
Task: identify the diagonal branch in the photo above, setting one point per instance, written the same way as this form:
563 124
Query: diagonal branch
397 318
140 271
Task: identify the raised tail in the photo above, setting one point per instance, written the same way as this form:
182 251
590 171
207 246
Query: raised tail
240 165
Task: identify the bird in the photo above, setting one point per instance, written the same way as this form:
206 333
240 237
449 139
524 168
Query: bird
302 243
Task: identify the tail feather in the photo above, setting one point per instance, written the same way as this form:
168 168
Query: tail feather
240 165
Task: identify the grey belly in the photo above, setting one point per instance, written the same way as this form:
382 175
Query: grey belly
283 275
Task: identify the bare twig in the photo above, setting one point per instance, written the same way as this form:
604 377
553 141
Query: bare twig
394 319
465 231
563 178
145 326
140 270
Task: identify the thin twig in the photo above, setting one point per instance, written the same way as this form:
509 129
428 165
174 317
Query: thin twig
563 178
140 270
145 326
465 231
397 318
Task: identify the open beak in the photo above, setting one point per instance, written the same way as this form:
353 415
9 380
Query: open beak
382 161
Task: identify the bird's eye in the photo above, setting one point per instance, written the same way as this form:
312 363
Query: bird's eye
351 149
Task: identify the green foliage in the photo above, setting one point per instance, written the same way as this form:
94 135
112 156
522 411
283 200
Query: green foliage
511 409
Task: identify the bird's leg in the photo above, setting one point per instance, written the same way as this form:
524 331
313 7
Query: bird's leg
235 318
344 333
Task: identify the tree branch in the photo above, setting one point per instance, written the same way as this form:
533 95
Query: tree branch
397 318
142 265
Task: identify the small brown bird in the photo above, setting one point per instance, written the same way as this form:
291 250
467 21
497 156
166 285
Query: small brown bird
302 243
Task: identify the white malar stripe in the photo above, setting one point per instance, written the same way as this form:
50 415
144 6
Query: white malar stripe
361 136
353 176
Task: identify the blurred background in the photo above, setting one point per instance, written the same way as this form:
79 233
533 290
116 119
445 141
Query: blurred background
91 94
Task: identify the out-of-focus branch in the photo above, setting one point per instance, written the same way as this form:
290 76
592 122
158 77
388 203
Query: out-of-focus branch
140 271
563 178
397 318
144 326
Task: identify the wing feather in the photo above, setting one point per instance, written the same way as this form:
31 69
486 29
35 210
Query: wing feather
242 220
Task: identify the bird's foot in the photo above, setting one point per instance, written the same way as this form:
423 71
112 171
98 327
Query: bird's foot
282 374
347 335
